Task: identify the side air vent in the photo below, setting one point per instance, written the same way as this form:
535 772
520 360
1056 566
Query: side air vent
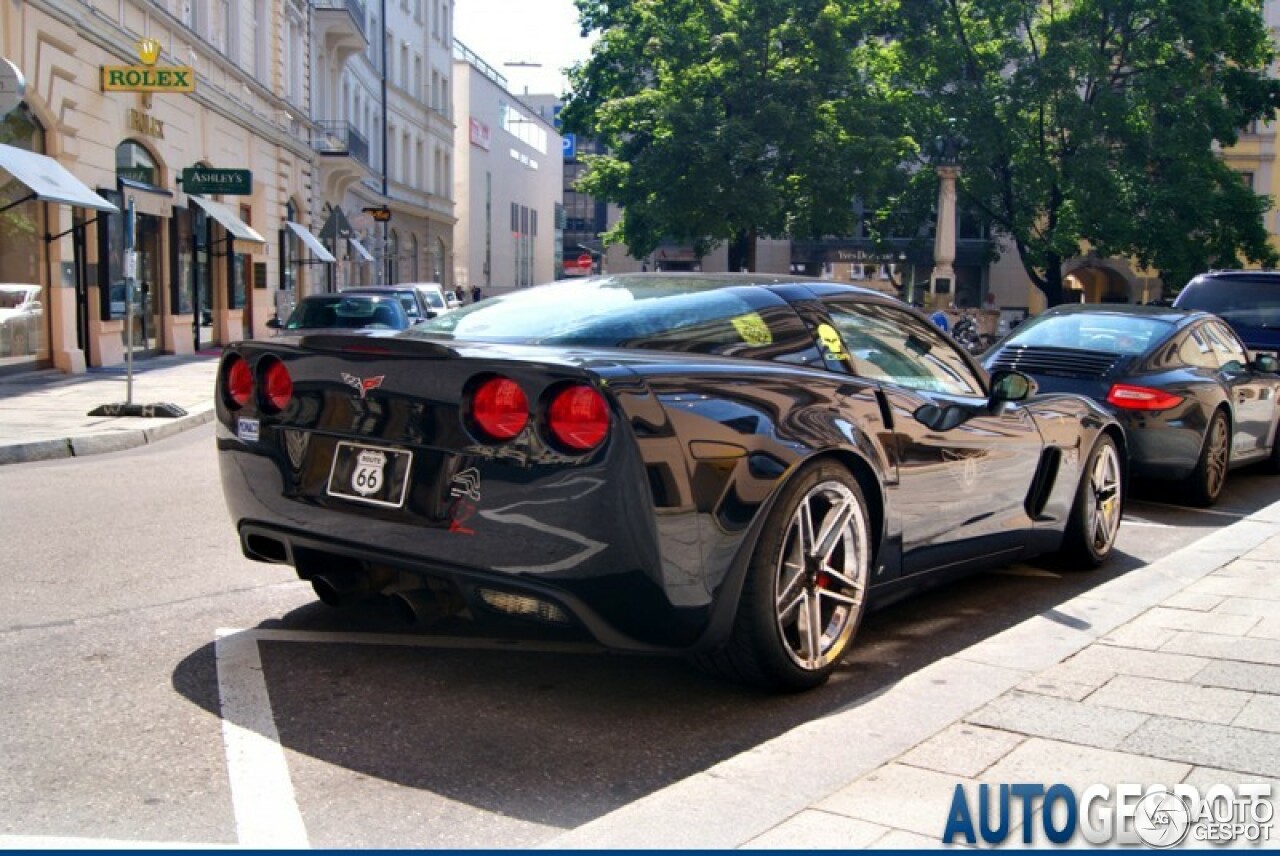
1042 484
1064 362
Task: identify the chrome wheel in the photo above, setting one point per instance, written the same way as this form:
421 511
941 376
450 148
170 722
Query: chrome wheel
1103 500
821 577
1217 451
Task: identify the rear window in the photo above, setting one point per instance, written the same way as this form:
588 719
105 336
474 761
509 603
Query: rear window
1110 333
667 314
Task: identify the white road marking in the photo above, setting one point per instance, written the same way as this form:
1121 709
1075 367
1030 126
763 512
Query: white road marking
262 796
267 813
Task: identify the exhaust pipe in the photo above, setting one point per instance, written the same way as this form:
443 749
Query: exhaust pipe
420 606
341 586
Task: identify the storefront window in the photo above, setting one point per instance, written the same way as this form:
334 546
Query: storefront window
23 323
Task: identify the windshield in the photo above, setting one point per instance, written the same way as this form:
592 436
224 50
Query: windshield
673 313
1112 333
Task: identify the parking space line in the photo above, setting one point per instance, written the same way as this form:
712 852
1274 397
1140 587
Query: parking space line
266 811
262 796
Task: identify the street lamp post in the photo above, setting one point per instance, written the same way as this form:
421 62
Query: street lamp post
946 149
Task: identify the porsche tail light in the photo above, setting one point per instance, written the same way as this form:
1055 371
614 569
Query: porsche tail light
277 385
238 380
578 418
499 408
1128 397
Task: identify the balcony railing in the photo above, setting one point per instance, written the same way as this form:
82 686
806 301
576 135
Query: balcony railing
354 7
336 137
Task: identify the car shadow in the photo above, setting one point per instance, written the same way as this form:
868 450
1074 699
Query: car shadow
561 738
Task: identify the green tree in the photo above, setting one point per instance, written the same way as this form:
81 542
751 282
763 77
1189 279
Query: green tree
728 119
1095 124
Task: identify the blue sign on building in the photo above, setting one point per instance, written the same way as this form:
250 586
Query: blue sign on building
570 143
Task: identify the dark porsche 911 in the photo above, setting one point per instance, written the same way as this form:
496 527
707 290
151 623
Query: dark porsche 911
733 467
1181 383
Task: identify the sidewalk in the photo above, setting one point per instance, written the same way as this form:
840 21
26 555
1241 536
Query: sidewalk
1168 674
45 414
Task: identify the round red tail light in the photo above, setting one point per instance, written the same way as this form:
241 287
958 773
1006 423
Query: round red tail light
277 386
239 381
500 408
578 418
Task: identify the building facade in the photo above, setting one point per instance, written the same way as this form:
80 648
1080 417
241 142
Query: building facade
203 260
509 173
284 147
384 120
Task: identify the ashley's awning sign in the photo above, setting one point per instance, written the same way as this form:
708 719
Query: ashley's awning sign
148 77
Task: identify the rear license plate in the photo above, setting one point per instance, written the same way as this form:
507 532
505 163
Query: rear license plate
370 474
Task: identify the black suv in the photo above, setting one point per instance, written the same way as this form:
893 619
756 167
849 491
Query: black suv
1248 300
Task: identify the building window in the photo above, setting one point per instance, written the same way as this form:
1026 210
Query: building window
262 41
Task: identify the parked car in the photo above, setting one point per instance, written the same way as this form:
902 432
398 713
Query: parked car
345 311
415 305
21 319
1181 383
1249 300
735 467
435 296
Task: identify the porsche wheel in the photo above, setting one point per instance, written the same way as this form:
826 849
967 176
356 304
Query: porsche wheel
806 586
1204 485
1095 516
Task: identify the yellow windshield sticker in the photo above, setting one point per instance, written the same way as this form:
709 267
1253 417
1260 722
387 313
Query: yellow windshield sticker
752 329
831 342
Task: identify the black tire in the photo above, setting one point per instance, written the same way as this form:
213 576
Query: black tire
816 547
1095 516
1203 487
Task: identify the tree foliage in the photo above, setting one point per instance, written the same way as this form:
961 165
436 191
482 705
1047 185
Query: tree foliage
726 119
1089 125
1096 124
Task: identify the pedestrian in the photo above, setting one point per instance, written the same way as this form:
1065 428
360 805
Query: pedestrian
460 294
475 294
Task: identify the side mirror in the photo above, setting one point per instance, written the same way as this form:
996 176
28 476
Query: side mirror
1266 363
275 323
1011 386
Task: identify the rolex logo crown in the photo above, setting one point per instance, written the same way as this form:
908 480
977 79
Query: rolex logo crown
148 50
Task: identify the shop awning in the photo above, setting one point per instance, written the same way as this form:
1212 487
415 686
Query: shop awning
364 254
235 227
49 181
313 243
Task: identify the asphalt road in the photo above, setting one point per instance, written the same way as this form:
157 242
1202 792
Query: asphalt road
128 717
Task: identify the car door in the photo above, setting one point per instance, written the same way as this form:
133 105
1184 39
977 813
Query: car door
1253 394
962 487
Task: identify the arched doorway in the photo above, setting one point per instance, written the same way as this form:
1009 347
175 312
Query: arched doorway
1096 284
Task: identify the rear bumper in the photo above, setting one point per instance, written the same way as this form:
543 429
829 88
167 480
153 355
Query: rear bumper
311 556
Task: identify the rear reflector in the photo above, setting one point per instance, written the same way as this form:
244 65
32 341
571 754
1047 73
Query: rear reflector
1141 398
239 380
578 418
525 607
500 408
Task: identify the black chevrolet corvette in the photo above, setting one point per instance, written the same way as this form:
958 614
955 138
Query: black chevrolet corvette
734 467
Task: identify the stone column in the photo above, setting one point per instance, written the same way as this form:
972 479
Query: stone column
942 282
